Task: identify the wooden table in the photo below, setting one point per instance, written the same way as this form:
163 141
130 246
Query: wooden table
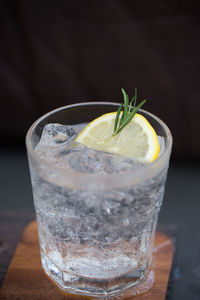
12 225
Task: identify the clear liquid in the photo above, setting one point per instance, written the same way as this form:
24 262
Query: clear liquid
93 236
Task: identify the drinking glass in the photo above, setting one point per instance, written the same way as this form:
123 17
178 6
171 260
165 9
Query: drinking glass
96 229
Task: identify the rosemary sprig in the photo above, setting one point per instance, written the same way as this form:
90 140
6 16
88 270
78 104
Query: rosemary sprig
130 109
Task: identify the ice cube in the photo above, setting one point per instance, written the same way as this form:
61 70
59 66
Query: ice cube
56 139
92 161
55 134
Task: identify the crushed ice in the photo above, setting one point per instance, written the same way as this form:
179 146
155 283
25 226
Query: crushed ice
57 146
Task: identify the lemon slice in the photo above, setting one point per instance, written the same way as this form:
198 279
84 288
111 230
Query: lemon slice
137 139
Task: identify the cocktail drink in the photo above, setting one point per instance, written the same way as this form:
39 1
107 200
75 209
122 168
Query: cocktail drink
96 211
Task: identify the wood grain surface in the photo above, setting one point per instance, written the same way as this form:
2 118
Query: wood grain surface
25 278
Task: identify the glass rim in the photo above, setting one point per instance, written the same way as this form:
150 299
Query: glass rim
92 176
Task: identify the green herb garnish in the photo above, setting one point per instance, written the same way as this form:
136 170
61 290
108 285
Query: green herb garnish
130 109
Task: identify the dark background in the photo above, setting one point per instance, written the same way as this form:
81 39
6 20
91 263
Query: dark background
54 53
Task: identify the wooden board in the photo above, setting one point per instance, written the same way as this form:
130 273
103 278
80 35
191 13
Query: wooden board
26 280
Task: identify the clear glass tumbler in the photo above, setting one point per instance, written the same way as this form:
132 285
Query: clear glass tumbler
96 230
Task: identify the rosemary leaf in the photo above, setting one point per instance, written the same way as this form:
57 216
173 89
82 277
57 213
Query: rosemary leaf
127 120
126 102
140 105
117 117
127 115
133 101
134 104
130 105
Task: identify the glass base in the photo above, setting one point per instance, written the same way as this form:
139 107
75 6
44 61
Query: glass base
127 285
